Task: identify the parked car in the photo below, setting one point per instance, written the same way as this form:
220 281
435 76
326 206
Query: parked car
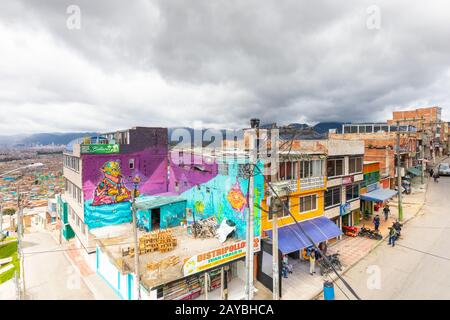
444 169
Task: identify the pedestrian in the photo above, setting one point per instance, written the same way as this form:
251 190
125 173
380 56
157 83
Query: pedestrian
286 264
431 172
376 222
436 176
386 212
312 262
398 227
392 236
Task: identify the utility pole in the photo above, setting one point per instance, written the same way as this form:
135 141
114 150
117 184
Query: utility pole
275 258
399 177
1 217
19 246
137 277
422 153
249 287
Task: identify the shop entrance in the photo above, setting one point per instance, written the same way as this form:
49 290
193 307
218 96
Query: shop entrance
156 218
347 220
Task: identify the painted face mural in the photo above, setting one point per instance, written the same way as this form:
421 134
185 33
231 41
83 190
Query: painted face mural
111 189
236 198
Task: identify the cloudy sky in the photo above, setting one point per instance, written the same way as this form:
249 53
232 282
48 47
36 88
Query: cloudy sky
217 63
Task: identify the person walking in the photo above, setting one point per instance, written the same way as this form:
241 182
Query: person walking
392 236
376 222
436 176
386 212
312 262
398 227
431 172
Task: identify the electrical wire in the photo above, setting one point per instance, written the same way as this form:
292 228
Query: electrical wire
311 241
424 252
269 184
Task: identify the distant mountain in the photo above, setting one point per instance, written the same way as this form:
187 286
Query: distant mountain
41 139
324 127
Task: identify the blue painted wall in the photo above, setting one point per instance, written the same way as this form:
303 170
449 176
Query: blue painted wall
213 198
171 216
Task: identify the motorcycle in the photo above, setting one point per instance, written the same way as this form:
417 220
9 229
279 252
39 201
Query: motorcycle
333 261
371 234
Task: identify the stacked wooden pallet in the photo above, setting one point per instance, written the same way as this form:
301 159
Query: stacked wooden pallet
166 241
161 240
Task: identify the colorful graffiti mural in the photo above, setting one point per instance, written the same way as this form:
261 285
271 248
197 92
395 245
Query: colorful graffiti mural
108 183
111 188
225 197
236 198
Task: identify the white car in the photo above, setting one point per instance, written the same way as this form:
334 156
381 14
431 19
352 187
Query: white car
444 169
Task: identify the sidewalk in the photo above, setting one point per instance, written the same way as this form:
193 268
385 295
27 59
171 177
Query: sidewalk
300 285
93 281
353 250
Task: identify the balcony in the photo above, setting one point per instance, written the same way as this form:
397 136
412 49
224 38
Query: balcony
284 188
312 183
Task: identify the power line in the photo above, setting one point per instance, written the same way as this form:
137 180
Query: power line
309 238
424 252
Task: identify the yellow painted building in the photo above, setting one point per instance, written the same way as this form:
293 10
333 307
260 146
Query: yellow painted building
305 194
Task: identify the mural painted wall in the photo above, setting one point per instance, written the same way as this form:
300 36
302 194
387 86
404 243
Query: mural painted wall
225 196
169 214
108 183
189 170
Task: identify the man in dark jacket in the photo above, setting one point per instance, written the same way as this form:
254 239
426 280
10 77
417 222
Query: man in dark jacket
386 212
376 222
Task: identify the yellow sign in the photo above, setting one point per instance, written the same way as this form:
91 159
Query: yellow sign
216 257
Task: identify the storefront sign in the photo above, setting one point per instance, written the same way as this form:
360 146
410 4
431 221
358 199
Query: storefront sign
217 257
345 209
99 148
347 180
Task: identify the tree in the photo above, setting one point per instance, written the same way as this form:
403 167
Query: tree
9 211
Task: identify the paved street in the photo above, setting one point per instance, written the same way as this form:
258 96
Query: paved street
418 267
49 275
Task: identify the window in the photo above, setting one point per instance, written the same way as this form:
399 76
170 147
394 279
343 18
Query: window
332 197
355 164
284 212
335 167
288 170
72 163
131 164
305 169
308 203
352 192
311 168
223 169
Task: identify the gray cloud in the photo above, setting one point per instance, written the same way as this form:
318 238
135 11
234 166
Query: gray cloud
219 63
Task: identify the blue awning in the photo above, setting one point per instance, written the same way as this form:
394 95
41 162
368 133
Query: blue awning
291 238
379 195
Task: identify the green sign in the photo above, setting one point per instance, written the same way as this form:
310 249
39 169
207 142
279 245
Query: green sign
99 148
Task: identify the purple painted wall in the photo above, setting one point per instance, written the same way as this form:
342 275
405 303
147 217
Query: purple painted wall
188 170
150 165
108 178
